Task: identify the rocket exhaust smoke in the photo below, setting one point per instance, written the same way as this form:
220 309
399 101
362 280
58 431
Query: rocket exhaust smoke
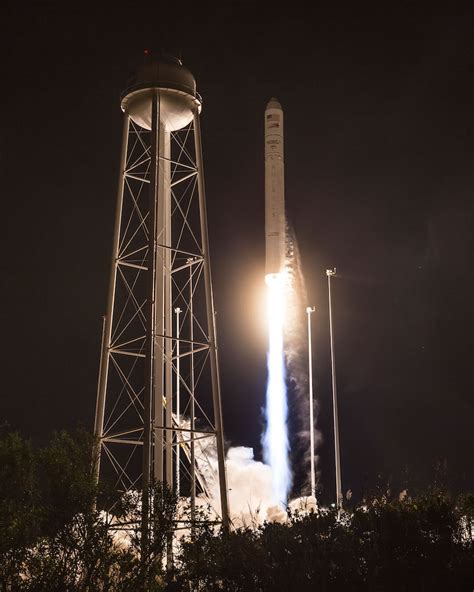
296 355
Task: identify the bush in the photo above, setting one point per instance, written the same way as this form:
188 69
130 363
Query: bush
53 539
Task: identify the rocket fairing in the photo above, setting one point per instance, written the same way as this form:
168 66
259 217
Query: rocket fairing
274 190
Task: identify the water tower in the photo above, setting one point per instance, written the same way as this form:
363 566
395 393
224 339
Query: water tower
158 413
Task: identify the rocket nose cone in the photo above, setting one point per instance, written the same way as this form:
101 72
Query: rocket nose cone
273 104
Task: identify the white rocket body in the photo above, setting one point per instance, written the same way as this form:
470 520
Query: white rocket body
275 248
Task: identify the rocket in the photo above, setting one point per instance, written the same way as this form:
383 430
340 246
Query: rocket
274 190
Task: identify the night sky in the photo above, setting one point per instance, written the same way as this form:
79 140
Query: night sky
379 183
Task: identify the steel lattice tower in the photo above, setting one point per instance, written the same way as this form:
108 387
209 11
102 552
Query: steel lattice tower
158 413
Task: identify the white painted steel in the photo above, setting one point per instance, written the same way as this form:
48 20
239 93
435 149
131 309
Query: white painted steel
274 189
177 108
178 405
177 89
337 454
309 311
161 187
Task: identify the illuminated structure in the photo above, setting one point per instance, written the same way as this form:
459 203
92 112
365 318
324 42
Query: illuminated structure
309 312
159 388
275 221
275 439
337 454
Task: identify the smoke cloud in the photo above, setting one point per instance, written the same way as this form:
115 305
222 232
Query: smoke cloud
296 351
251 497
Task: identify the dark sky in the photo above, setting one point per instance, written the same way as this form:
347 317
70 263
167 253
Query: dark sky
379 183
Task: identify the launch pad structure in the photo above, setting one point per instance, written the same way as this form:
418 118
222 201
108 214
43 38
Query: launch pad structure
158 413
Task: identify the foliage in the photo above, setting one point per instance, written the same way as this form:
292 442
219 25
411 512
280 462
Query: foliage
19 510
383 545
53 539
52 536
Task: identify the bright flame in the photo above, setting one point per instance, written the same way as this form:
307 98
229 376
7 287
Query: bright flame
275 439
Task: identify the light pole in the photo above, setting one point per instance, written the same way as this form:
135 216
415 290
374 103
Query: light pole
330 273
309 311
178 409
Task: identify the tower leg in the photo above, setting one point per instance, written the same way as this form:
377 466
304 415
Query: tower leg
163 395
211 324
150 378
107 329
168 304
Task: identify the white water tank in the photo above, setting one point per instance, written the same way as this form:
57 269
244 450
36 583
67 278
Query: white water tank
176 90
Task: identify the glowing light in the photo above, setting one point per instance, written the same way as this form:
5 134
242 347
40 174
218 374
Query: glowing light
275 439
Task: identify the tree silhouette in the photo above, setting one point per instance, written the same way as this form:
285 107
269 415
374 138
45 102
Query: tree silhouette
54 538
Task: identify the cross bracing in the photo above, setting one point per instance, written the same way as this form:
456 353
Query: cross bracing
159 335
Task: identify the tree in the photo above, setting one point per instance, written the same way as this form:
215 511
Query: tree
54 539
66 484
20 515
382 545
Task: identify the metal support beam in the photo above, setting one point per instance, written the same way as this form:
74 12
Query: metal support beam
192 407
107 329
330 273
150 321
211 323
177 311
309 311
